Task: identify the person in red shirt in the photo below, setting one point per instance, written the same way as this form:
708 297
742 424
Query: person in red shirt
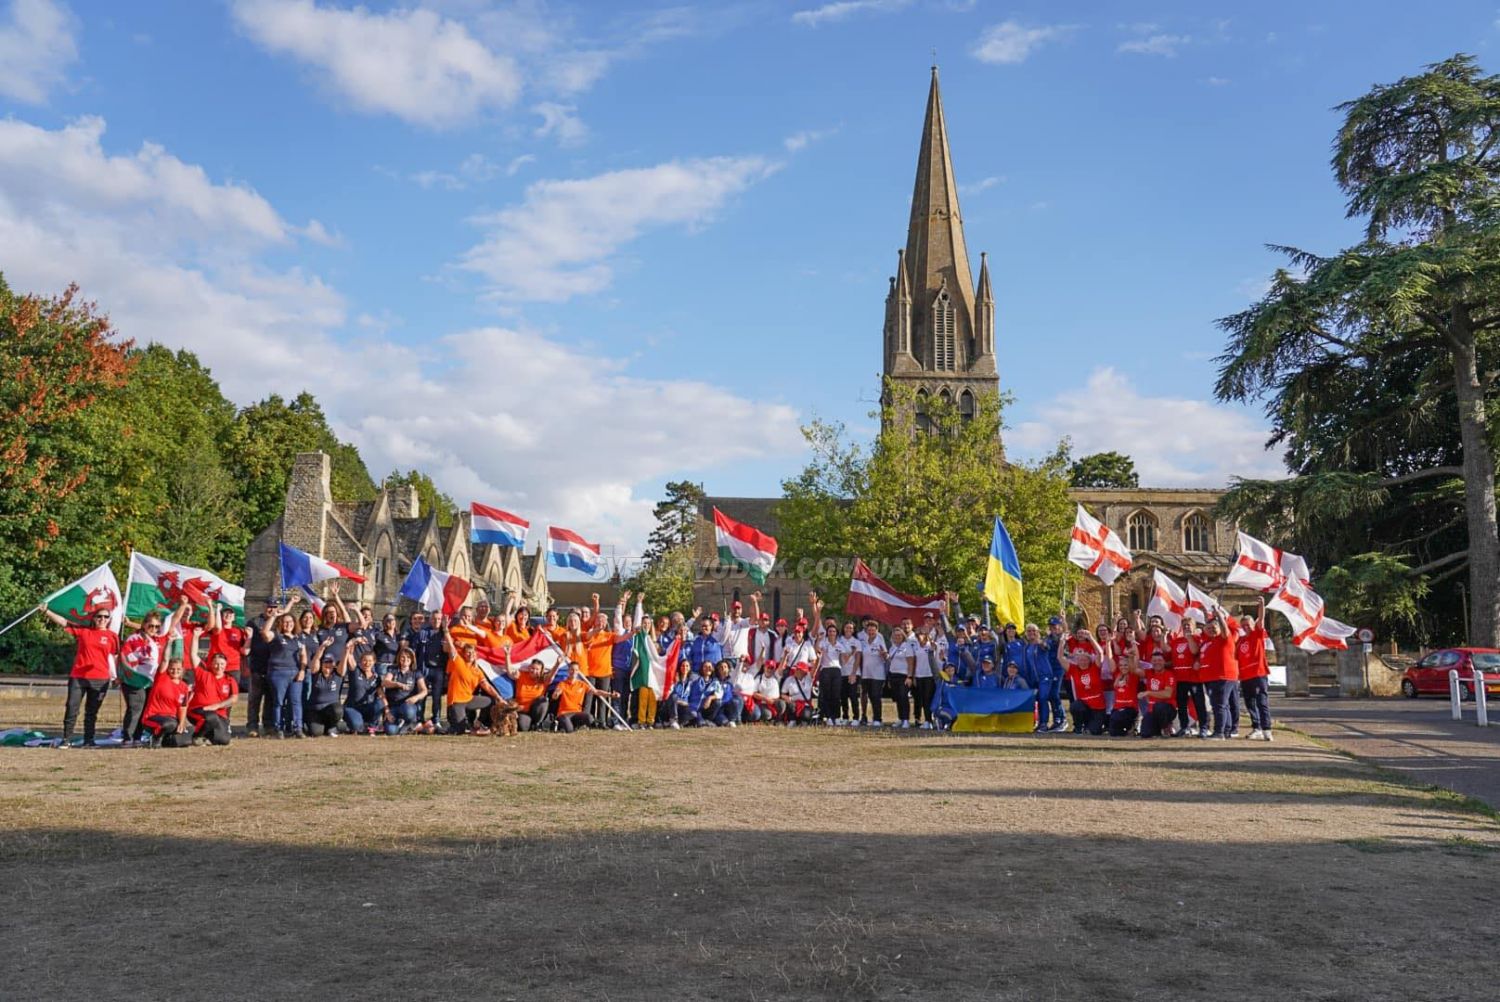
1250 651
1087 680
1182 656
1160 687
1126 686
167 707
93 666
214 692
1218 669
229 640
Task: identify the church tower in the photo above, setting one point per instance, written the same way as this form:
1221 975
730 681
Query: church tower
939 328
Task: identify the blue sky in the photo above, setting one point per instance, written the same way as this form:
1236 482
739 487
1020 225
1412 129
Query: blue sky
556 254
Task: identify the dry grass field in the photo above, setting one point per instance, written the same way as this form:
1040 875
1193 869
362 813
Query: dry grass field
753 864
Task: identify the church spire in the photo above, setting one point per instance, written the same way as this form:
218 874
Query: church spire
935 249
984 319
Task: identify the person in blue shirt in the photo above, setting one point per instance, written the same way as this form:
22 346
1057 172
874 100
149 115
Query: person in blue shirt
619 664
1012 678
323 704
731 703
403 689
1054 639
363 710
984 647
1008 646
1038 666
987 679
679 702
704 647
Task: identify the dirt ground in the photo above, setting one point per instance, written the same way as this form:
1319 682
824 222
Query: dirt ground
751 864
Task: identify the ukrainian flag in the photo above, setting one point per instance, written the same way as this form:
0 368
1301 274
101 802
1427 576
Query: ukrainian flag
1002 579
986 711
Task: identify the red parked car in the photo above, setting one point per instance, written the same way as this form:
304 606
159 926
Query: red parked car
1429 676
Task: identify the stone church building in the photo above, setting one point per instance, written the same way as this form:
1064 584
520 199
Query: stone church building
380 540
939 337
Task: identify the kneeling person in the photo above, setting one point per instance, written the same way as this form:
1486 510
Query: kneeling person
214 692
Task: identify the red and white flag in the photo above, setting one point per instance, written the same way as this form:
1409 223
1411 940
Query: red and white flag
1263 567
1097 548
1201 605
1167 601
1312 630
872 597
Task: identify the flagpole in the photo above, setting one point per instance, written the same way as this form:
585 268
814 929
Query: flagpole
611 706
22 618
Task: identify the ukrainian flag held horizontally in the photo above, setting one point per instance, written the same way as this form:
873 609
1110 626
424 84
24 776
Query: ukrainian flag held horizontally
1002 580
986 711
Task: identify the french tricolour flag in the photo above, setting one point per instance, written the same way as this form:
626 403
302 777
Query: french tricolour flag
491 525
300 569
570 550
435 590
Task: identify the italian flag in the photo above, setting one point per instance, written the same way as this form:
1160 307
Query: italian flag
161 584
744 546
96 590
653 669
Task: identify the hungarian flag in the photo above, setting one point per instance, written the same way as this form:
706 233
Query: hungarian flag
96 590
869 596
744 546
1263 567
1167 601
654 669
1097 548
161 585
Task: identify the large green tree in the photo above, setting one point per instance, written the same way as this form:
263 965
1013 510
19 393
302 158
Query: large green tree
1378 361
676 517
1104 469
668 568
920 507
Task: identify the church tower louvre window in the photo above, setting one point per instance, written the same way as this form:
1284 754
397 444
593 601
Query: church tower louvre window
944 347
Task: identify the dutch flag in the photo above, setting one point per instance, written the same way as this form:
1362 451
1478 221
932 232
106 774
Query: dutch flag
435 590
301 570
491 525
570 550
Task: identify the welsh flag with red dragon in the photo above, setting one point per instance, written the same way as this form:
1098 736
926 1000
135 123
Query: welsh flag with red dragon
161 585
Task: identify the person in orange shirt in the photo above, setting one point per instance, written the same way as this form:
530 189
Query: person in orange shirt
531 680
558 631
518 630
570 695
469 692
473 630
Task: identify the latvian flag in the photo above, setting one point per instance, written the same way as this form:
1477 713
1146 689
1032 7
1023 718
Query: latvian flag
434 590
491 525
872 597
303 570
1097 548
746 547
570 550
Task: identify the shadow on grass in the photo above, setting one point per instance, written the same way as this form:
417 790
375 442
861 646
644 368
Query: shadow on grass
1205 796
730 914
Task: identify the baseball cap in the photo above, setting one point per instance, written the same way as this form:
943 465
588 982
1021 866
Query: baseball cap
1055 621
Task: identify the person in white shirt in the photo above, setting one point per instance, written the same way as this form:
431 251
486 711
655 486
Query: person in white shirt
762 640
799 648
849 667
734 631
899 668
746 683
830 676
924 684
872 655
768 692
796 695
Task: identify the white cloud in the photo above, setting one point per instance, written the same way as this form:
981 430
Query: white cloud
476 168
516 163
175 257
799 141
1155 45
845 9
1011 42
557 242
560 122
1217 81
414 64
1175 441
36 49
983 184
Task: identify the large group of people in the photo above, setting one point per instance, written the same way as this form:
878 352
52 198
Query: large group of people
325 672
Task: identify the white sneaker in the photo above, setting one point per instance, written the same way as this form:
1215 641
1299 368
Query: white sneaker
877 723
905 724
734 723
791 723
827 722
926 725
1257 735
1265 735
676 726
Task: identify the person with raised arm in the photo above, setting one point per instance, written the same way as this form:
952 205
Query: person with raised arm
1250 652
142 655
94 649
215 690
165 718
1218 668
286 662
469 692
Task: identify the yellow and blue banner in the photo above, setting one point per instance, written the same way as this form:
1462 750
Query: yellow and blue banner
1002 579
986 711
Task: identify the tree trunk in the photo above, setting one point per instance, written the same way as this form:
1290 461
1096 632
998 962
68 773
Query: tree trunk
1479 489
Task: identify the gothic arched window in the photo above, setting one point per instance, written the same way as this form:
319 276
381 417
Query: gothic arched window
924 423
944 344
1195 534
1140 531
966 406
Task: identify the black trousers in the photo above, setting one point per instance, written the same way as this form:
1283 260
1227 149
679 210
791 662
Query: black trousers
850 707
164 731
1086 718
463 716
569 722
830 692
258 708
1122 720
1193 691
325 719
532 717
874 692
902 695
1257 702
923 689
90 693
135 705
210 725
1159 719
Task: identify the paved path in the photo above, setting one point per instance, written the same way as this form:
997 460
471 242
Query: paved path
1417 737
